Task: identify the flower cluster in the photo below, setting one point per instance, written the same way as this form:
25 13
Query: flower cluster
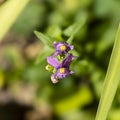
60 61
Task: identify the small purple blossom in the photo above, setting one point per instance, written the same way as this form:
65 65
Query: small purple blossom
62 48
62 69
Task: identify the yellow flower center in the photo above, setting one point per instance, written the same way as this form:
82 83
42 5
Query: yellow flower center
63 47
62 70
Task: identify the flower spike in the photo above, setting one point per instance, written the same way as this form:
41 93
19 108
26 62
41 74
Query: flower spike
61 67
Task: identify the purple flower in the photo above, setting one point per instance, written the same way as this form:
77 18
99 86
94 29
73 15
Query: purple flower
54 79
62 64
62 48
62 69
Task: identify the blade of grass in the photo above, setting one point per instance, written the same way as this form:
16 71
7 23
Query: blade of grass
111 81
9 11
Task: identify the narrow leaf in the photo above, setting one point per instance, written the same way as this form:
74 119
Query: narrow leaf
73 29
55 32
111 81
45 39
70 39
9 12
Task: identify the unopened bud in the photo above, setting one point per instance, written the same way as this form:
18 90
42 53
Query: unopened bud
49 68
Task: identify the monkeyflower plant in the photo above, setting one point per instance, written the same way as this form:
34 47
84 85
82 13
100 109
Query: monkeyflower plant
59 62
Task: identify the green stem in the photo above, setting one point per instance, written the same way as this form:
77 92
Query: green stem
111 81
9 12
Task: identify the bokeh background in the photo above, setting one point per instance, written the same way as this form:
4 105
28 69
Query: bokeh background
26 91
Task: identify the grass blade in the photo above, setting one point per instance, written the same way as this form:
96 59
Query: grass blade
9 12
111 81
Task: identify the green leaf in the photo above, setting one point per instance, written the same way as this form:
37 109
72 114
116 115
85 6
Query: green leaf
42 56
114 114
111 81
73 29
45 39
70 39
54 31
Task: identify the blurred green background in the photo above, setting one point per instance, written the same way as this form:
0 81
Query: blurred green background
26 91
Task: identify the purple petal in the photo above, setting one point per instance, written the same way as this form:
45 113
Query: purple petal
62 75
54 79
62 50
55 44
71 72
74 57
59 45
67 61
65 43
53 61
71 47
56 53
